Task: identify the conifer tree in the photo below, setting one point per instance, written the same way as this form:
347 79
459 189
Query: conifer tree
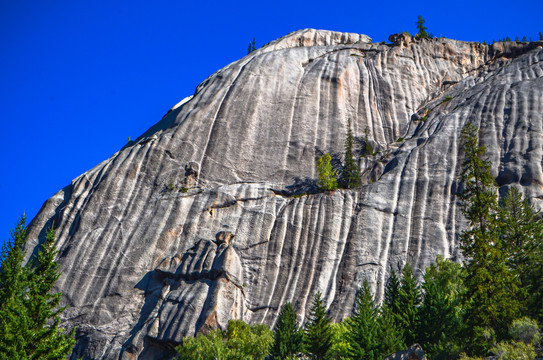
409 299
440 323
391 337
521 231
491 289
29 315
351 171
392 293
363 327
318 333
421 28
287 335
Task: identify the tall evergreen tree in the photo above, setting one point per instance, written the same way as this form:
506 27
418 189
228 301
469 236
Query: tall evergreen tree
392 293
13 281
491 289
363 327
30 316
351 171
318 333
440 323
287 335
390 335
522 240
421 28
409 299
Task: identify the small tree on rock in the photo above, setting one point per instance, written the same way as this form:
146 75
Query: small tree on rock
327 174
351 171
422 34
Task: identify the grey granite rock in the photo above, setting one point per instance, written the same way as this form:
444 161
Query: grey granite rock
145 237
414 352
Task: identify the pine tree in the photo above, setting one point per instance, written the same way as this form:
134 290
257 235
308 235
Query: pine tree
252 46
491 290
392 293
327 174
522 240
540 35
363 327
318 333
287 335
391 337
409 299
440 324
421 28
351 171
13 281
30 316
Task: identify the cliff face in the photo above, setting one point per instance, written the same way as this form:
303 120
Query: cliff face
195 223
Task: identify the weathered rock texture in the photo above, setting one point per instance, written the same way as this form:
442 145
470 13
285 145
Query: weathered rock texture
195 223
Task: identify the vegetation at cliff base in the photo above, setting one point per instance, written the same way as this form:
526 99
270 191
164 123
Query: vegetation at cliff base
491 304
30 314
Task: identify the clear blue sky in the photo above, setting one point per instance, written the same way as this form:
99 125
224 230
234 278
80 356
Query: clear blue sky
78 77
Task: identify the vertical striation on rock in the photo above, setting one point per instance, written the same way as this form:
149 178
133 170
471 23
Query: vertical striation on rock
196 222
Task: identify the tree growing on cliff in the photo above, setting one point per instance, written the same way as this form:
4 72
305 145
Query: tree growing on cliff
30 314
351 171
327 174
422 34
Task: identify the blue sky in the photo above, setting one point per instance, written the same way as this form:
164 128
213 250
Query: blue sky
78 77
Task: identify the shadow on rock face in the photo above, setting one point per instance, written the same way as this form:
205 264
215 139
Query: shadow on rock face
202 286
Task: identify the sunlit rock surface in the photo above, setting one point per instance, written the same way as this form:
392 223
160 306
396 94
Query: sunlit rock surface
204 217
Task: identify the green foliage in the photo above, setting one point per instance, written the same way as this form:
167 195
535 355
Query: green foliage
392 294
521 234
491 289
400 139
525 330
515 350
327 174
318 332
252 46
288 339
30 315
340 344
409 299
239 342
368 149
440 322
363 327
391 337
422 34
203 347
351 171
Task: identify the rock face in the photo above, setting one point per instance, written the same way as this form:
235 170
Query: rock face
203 218
414 352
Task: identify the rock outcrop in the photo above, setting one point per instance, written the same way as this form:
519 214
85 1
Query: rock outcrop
204 218
414 352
